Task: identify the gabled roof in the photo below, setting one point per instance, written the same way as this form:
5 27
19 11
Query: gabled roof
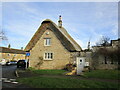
67 41
11 50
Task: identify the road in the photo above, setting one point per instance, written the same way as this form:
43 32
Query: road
9 78
9 71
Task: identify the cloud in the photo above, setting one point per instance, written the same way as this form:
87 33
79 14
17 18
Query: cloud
81 20
17 27
115 29
60 1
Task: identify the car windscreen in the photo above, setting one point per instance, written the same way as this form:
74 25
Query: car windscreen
22 61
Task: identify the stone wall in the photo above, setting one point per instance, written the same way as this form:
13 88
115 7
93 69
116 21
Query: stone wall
98 62
107 66
73 56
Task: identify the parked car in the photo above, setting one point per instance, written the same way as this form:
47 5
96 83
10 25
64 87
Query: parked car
22 64
11 63
2 62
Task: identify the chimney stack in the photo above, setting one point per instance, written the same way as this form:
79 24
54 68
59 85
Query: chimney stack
60 22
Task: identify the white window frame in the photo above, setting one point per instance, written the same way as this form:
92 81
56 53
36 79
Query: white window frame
48 56
47 41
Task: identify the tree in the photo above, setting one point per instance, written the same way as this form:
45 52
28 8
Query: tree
104 41
9 46
3 36
21 48
104 52
114 55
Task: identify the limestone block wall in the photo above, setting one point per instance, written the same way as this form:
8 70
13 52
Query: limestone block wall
98 62
73 56
107 66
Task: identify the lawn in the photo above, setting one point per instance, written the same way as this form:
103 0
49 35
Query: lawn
104 74
52 82
48 72
48 79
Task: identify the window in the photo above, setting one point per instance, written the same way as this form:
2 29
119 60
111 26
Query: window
47 41
48 56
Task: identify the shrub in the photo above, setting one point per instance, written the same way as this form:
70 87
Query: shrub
69 67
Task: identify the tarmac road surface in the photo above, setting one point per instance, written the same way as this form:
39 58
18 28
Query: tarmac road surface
8 78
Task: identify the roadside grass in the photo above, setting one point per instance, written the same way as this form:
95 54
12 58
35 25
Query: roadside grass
62 82
104 74
48 72
69 82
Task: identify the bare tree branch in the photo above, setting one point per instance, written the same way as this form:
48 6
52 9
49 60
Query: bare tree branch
3 36
104 41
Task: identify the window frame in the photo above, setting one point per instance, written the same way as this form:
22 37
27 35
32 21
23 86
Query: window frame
48 56
47 41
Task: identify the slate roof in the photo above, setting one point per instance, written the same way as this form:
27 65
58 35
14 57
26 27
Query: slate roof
67 41
11 50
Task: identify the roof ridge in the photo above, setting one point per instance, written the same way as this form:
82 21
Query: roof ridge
72 41
12 48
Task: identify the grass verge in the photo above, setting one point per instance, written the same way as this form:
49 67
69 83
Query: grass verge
104 74
51 82
48 72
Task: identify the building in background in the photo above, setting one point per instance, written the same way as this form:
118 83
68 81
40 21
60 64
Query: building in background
106 57
9 54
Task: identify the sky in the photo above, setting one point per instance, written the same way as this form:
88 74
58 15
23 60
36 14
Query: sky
84 21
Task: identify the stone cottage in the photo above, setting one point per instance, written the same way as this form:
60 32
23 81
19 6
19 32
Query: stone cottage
9 54
52 47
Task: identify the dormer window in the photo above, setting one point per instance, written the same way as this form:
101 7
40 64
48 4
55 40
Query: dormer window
47 41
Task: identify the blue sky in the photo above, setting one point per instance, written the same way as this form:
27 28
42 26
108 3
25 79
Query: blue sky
82 20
